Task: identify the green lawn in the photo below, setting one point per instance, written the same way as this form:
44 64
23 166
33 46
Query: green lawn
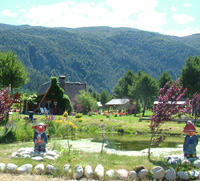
88 124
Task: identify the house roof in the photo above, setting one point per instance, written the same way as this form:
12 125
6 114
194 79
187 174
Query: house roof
178 102
73 88
117 102
44 88
70 88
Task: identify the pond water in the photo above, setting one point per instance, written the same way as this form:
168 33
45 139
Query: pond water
132 145
122 144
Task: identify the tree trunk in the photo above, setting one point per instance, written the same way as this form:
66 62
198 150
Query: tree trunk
135 111
150 142
144 108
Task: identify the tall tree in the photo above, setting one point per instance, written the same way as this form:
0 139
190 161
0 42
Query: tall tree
121 88
190 76
12 71
134 93
104 97
147 88
164 78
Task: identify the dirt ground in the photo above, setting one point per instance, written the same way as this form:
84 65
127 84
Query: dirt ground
26 177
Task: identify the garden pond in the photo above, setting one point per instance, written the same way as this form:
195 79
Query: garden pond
122 144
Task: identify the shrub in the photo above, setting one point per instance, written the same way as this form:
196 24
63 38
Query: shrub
84 102
79 115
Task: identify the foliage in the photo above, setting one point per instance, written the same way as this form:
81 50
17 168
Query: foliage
196 105
65 115
8 135
12 71
32 99
148 89
87 54
121 88
164 78
190 76
57 93
5 102
85 102
104 97
167 109
78 115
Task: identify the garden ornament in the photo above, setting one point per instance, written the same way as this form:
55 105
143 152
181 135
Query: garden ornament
40 137
191 140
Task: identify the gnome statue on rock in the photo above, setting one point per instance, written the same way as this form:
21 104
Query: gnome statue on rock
191 140
40 137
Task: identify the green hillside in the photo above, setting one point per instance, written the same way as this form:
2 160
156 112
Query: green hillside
96 55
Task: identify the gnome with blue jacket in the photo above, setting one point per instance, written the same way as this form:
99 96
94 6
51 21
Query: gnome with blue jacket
191 140
40 137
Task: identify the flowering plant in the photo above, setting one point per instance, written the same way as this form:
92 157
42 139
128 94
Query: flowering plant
167 109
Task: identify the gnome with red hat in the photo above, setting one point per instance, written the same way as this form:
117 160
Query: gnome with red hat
40 137
191 140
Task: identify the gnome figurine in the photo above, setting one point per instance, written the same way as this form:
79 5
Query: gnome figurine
191 140
40 137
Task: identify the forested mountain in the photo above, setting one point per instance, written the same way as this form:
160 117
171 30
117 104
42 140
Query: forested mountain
96 55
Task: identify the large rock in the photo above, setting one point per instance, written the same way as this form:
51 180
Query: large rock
170 174
78 171
99 170
25 168
30 153
50 169
196 163
37 158
67 168
142 173
194 174
88 171
11 167
183 175
48 157
39 168
14 155
158 172
52 153
133 175
2 166
186 162
174 161
110 173
123 174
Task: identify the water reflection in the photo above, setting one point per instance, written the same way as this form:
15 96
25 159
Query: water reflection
126 142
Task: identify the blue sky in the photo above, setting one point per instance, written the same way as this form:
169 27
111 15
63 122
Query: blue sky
171 17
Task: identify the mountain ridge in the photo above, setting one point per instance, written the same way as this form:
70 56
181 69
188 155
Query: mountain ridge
96 55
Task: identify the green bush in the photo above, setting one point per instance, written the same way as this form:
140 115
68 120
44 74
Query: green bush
79 115
85 102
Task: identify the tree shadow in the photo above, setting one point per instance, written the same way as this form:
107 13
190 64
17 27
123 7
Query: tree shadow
161 163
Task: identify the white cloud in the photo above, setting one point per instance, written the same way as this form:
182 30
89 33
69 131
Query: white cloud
114 13
151 21
7 12
186 5
182 18
173 9
187 31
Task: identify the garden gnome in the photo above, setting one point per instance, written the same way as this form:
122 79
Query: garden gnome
40 137
191 140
